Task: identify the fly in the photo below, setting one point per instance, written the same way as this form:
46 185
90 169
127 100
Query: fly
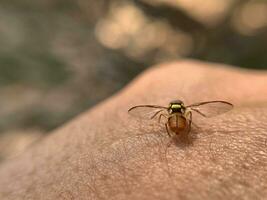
179 117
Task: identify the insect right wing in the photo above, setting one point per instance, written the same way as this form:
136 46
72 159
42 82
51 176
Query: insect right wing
211 108
147 111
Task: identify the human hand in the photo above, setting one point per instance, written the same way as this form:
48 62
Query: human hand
106 154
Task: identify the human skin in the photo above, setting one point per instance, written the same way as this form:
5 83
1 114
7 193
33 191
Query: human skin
107 154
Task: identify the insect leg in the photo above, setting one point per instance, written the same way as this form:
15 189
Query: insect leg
190 120
156 114
161 116
198 112
167 129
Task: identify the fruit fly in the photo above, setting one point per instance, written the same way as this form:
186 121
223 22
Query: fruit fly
178 116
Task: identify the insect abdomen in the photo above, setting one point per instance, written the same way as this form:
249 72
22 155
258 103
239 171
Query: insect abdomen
177 123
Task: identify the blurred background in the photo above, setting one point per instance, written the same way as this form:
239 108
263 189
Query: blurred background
60 57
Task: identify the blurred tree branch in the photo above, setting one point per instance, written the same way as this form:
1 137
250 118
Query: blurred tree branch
175 16
221 37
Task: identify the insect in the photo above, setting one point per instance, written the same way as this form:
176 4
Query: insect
178 116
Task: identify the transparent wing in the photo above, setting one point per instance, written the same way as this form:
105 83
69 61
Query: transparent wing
147 111
211 108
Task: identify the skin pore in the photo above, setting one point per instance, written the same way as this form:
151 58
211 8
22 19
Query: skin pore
106 154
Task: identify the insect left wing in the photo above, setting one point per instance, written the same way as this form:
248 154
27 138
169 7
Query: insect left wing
211 108
147 111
